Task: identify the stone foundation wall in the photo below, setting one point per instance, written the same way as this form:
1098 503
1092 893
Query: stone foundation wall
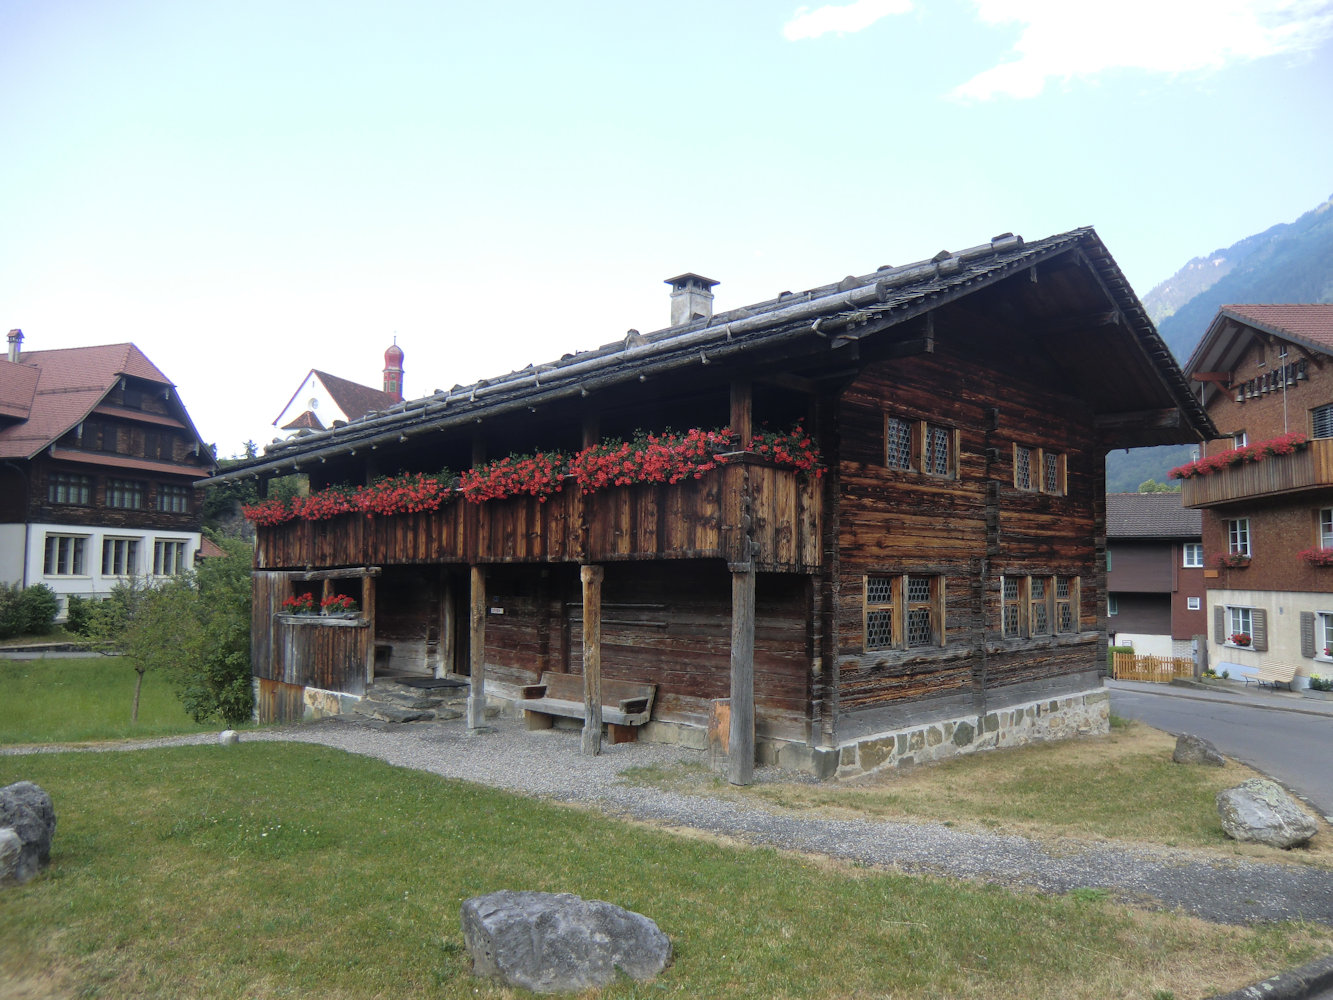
1086 714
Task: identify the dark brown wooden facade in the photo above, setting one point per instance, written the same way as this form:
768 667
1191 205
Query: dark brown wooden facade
951 560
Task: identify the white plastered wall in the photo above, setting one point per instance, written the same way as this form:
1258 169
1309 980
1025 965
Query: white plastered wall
1283 610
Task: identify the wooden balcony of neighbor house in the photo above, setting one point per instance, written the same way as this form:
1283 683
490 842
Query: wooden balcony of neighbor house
693 519
1307 469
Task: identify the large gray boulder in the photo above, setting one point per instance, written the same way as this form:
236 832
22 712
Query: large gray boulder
27 810
551 943
1259 811
1191 749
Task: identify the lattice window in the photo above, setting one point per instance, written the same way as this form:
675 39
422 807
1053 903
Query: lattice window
1038 612
1022 467
938 453
1052 480
920 611
898 435
1011 588
880 612
1066 594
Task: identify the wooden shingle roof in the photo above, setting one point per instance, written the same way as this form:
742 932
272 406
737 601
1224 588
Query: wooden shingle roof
1114 358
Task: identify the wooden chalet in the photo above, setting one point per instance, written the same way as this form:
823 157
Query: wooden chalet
940 589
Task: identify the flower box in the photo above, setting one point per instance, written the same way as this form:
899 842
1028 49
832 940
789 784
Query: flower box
1239 638
1232 560
1318 557
1287 444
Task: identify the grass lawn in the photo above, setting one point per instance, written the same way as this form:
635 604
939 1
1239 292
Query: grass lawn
287 870
85 699
1120 787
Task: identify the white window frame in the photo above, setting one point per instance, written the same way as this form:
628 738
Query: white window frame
1192 555
1321 421
1194 604
1323 635
169 556
65 555
1238 536
1326 527
1239 619
123 556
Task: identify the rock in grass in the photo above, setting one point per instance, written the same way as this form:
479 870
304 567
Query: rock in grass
27 810
1259 811
12 868
229 737
551 943
1191 749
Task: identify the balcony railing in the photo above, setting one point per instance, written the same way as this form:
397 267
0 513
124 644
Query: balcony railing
693 519
1307 469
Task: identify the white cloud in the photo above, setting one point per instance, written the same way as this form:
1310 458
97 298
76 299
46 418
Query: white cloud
851 17
1064 39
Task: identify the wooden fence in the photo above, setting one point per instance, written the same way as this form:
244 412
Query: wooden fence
1157 669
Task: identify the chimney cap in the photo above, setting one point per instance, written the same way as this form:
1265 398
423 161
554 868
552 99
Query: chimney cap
688 279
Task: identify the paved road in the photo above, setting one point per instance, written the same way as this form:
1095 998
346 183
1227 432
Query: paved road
1290 739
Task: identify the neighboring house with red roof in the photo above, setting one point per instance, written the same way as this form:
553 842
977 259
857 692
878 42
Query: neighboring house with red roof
1154 573
1265 372
325 401
98 461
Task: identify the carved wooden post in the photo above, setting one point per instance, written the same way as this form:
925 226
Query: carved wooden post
476 698
742 412
592 659
368 612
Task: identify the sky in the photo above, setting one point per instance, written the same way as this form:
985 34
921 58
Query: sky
253 189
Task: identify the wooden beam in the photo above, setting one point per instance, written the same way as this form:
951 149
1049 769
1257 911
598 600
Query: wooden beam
592 576
476 697
1134 419
740 743
742 411
368 612
448 628
1221 378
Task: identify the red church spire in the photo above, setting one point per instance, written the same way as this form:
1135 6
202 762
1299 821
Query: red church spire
393 371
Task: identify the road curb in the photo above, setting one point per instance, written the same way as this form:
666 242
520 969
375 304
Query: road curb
1296 984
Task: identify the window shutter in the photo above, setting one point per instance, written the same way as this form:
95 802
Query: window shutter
1307 633
1260 638
1219 624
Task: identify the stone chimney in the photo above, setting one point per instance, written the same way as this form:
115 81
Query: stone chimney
393 371
691 298
15 344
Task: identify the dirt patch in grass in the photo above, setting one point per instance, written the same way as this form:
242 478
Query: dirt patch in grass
1121 787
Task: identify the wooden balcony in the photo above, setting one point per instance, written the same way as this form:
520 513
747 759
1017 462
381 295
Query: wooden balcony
695 519
1308 469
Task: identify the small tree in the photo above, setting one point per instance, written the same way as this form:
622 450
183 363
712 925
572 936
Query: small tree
154 626
215 679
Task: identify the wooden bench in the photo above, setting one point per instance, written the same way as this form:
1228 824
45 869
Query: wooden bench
625 704
1272 674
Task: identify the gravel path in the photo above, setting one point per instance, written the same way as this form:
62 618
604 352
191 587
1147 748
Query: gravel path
548 764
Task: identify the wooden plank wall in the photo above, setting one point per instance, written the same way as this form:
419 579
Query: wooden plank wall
682 521
969 530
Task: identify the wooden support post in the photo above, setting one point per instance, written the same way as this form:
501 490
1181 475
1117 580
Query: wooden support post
448 630
740 743
368 612
476 698
592 659
742 412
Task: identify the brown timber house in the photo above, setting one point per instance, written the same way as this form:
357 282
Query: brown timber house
941 589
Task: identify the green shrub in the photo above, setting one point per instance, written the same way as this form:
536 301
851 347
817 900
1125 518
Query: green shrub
29 611
39 606
1110 655
79 613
